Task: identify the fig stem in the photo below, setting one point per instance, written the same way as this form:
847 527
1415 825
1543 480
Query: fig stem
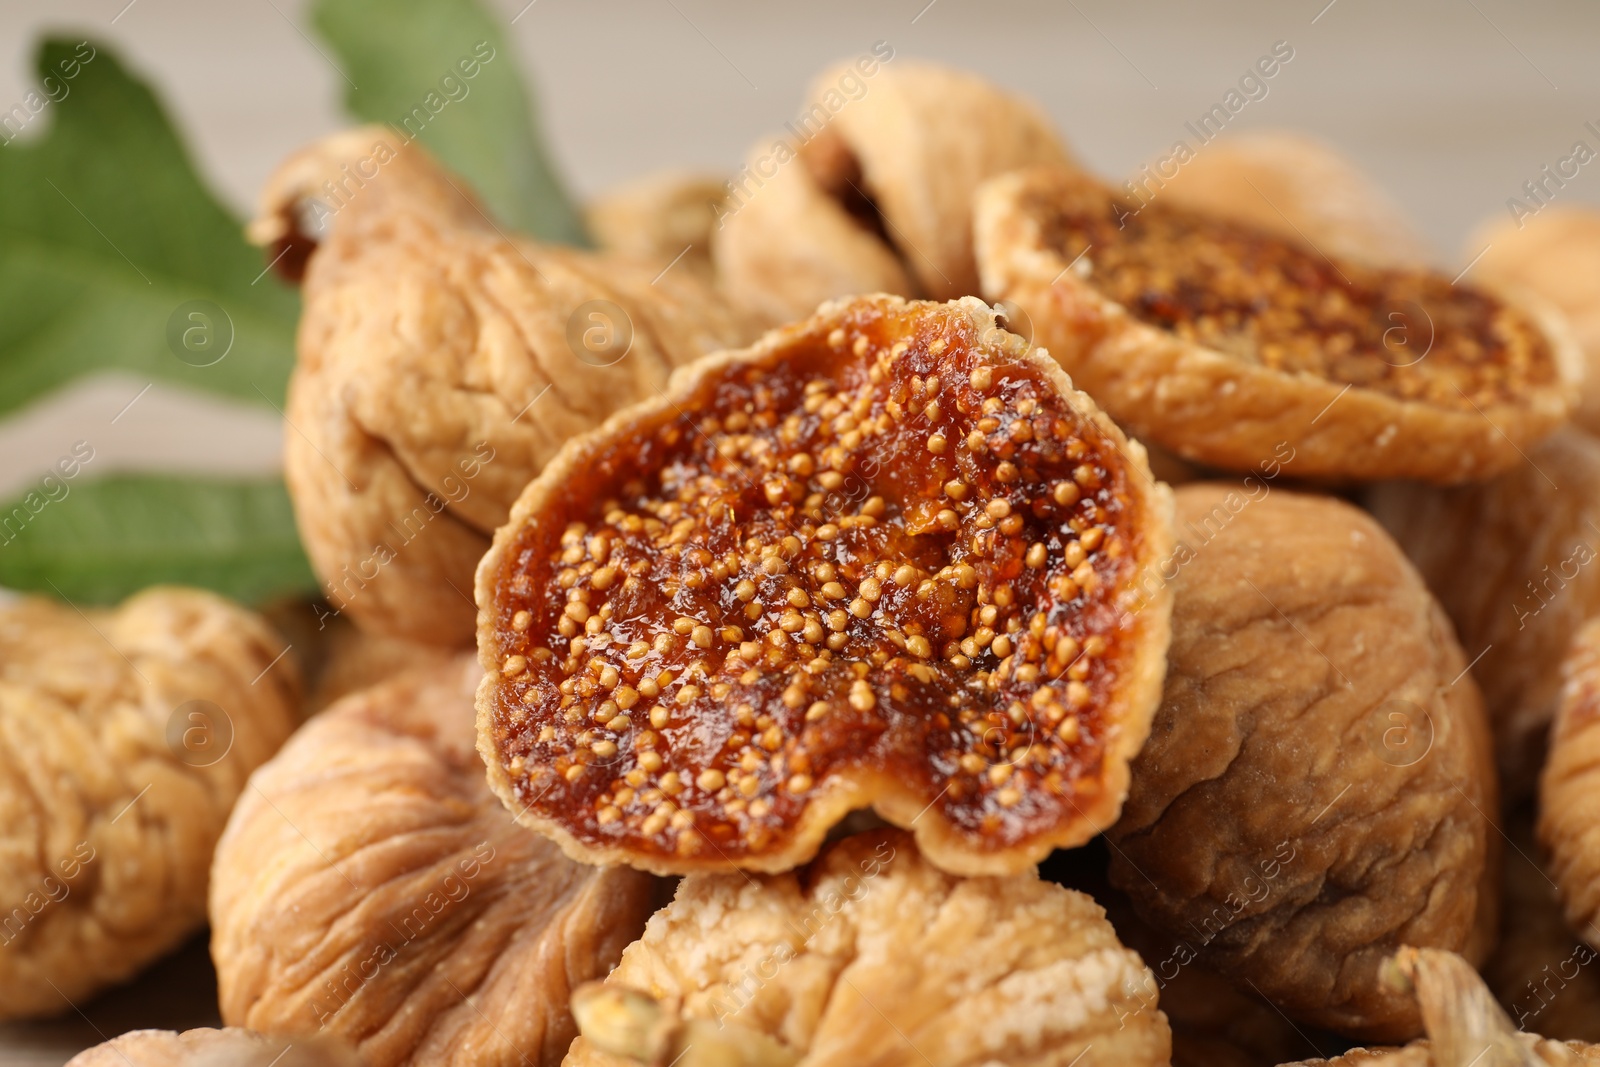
1466 1025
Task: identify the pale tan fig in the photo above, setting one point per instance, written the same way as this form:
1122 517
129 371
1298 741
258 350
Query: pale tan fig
887 557
1293 185
1513 562
872 957
125 736
214 1048
1465 1027
442 361
1224 340
1556 255
1316 787
662 218
370 887
870 188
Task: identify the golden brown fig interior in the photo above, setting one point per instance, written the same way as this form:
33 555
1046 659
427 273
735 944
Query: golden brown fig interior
876 559
1277 302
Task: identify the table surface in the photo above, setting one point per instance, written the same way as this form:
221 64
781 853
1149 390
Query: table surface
1451 104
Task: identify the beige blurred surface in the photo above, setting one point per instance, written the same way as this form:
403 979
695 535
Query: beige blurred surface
1451 105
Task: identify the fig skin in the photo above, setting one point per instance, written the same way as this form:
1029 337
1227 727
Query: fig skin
440 363
1530 542
878 198
205 1047
370 884
125 736
1569 790
1555 254
872 957
1466 1028
1315 787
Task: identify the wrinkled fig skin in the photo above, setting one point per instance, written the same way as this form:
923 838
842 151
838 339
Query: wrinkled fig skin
428 342
872 957
1465 1027
661 218
1543 974
213 1048
113 787
1512 562
1289 816
878 197
1569 792
370 883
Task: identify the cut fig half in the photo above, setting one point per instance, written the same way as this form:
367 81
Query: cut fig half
887 557
1224 341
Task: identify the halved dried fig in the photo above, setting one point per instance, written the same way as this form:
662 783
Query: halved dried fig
1221 340
369 886
872 957
428 342
205 1047
1295 186
1569 791
125 736
1555 254
1316 788
1466 1028
870 189
1512 561
887 556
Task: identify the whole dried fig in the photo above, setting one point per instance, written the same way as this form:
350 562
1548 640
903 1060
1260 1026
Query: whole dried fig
1316 787
1569 790
1219 339
660 218
428 342
887 557
1512 562
1555 254
1296 186
125 736
872 956
371 887
214 1048
1542 973
871 190
1466 1028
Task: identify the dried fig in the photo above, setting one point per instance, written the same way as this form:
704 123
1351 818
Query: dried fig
871 191
1569 791
370 886
1542 974
1295 186
872 956
1315 787
886 557
125 736
428 341
1466 1028
213 1048
1555 254
1220 340
1527 540
661 218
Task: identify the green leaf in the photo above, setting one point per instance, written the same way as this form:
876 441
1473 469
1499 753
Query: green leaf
407 64
105 540
106 232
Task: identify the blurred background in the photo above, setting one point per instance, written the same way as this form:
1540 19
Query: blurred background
1451 104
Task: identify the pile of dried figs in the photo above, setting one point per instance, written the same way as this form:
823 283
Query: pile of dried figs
931 605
